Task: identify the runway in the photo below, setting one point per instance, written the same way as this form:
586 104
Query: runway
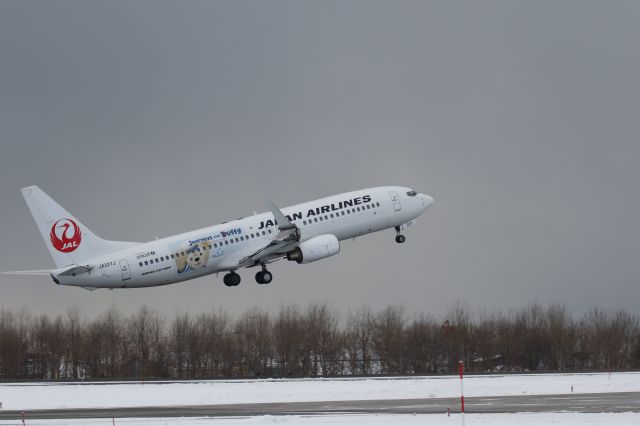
579 403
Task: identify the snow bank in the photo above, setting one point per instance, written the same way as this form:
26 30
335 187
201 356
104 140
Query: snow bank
29 396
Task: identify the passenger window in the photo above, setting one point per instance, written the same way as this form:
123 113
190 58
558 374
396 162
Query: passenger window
226 243
269 230
237 239
264 233
183 253
140 263
321 219
342 213
146 263
331 215
304 222
378 204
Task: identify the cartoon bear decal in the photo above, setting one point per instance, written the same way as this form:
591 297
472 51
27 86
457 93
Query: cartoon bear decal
193 258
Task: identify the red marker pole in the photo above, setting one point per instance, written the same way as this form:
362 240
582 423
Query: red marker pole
461 369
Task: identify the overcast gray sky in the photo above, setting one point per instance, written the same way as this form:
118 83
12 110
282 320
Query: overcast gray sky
145 119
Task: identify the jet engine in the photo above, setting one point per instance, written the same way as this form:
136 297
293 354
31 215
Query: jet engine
315 249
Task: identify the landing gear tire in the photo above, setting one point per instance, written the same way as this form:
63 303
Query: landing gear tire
231 279
264 277
399 237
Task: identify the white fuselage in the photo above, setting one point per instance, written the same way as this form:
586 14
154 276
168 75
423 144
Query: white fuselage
221 247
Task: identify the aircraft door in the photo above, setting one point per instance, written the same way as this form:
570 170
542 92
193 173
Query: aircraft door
124 268
395 200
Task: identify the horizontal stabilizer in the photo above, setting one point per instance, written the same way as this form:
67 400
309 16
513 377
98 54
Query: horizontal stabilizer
34 272
76 270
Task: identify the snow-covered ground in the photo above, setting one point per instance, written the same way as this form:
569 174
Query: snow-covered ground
520 419
30 396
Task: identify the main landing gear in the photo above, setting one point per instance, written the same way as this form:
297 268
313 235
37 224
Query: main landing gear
264 276
399 237
231 279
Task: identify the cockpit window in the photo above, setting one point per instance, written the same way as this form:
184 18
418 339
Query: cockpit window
412 193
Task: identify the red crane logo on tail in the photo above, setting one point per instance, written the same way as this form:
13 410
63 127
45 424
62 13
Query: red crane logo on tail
65 235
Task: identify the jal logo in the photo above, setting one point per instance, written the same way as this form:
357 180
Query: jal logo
65 235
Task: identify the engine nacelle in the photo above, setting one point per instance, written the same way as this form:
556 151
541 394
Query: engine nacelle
315 249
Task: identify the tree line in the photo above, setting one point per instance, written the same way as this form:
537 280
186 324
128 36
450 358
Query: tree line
312 341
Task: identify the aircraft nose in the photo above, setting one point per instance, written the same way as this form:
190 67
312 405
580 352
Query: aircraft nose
426 200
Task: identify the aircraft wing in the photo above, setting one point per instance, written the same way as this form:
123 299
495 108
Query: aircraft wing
286 239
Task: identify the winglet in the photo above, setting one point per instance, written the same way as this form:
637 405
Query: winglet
283 223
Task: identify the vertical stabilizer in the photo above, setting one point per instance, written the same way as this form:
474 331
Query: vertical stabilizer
69 241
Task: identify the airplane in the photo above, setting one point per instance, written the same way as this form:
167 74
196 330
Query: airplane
302 233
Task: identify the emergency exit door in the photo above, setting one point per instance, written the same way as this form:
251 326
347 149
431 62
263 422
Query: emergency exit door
124 268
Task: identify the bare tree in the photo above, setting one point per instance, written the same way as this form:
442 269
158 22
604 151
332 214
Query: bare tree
389 340
74 335
455 333
287 340
322 340
359 340
145 333
312 342
424 346
253 332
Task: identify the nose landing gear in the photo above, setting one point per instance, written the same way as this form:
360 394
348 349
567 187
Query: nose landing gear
264 276
399 237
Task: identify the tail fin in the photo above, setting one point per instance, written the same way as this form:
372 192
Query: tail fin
69 241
